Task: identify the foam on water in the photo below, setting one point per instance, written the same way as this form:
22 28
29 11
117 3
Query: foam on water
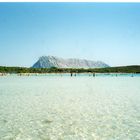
69 108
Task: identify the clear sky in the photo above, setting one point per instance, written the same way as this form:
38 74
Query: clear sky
109 32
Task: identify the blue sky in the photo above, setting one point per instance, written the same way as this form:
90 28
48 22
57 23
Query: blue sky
109 32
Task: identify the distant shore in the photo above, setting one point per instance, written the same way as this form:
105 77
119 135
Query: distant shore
28 71
87 74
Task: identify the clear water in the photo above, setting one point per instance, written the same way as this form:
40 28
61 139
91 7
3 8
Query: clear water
70 108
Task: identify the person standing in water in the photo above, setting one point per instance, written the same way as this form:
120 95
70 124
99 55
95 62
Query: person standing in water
93 74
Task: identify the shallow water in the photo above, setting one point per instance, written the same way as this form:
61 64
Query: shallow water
69 108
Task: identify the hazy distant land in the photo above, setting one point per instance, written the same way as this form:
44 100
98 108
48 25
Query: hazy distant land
53 61
53 64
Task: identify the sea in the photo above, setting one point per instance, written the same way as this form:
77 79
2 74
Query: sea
64 107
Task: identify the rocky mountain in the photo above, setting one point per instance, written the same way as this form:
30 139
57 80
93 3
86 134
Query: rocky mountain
52 61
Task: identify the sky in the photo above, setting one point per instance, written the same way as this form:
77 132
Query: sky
109 32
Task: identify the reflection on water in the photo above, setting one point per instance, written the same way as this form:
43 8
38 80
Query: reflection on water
70 108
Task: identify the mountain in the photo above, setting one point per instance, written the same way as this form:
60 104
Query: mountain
52 61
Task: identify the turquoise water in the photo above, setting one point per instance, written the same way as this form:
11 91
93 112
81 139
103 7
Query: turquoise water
59 107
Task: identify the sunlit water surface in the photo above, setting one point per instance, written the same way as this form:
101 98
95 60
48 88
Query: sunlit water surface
69 108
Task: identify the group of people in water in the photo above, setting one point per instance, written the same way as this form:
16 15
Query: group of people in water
3 74
71 74
74 74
